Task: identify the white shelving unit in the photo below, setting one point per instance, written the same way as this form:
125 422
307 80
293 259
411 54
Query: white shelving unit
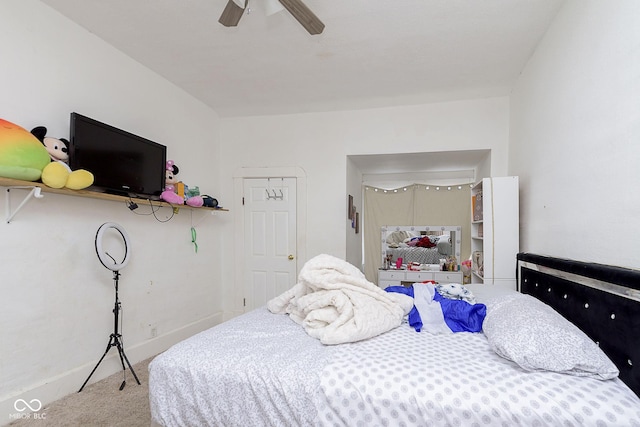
495 238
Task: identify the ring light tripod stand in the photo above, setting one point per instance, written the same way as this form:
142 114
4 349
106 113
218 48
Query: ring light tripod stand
115 339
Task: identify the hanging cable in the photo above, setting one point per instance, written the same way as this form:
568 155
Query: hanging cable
153 212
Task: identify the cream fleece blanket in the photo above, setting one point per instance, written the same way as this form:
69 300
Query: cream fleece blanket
336 304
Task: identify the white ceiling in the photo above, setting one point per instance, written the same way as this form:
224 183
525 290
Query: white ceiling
372 53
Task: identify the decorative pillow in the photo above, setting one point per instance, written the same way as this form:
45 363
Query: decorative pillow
397 237
523 329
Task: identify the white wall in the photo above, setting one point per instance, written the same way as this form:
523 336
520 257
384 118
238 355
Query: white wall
319 143
575 127
57 297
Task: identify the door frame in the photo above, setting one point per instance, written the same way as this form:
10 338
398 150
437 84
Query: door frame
301 219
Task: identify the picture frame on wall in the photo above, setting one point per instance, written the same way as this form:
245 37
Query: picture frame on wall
350 208
353 216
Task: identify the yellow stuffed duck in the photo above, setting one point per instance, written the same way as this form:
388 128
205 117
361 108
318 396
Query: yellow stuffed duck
58 174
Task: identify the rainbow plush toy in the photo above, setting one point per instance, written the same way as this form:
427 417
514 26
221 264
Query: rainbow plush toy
22 155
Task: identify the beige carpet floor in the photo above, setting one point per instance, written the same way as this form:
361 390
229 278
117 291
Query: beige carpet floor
101 404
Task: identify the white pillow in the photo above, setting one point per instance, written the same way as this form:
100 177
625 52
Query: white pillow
444 245
397 237
525 330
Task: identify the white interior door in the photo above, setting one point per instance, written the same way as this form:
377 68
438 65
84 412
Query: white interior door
269 238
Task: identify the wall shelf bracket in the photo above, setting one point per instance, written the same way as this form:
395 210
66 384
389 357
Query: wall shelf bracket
35 192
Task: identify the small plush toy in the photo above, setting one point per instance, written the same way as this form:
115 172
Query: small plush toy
174 189
58 174
170 180
192 197
22 156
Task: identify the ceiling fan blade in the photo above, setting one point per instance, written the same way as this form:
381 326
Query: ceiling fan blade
232 13
303 15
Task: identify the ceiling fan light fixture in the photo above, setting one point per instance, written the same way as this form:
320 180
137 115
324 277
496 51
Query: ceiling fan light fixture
234 10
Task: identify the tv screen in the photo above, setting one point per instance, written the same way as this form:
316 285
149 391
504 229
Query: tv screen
121 162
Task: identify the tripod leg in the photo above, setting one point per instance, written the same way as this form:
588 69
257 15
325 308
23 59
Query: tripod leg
120 351
122 354
111 344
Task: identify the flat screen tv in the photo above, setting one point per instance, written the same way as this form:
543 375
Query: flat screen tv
121 162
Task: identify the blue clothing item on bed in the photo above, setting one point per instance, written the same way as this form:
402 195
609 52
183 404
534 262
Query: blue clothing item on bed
413 317
459 315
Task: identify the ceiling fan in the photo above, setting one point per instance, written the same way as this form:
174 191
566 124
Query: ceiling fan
232 13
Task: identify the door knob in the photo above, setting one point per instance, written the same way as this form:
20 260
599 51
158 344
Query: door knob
290 257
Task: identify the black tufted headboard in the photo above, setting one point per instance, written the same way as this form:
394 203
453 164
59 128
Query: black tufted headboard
602 300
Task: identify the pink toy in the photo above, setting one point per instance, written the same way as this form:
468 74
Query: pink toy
169 194
195 201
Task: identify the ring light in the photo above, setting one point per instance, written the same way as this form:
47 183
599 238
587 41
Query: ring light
105 258
115 339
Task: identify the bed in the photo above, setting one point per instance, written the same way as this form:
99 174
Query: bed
263 368
420 244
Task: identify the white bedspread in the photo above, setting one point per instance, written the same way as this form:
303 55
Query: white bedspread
336 304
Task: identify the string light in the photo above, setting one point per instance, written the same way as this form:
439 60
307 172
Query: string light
426 187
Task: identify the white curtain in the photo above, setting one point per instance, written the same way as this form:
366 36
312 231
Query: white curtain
417 204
